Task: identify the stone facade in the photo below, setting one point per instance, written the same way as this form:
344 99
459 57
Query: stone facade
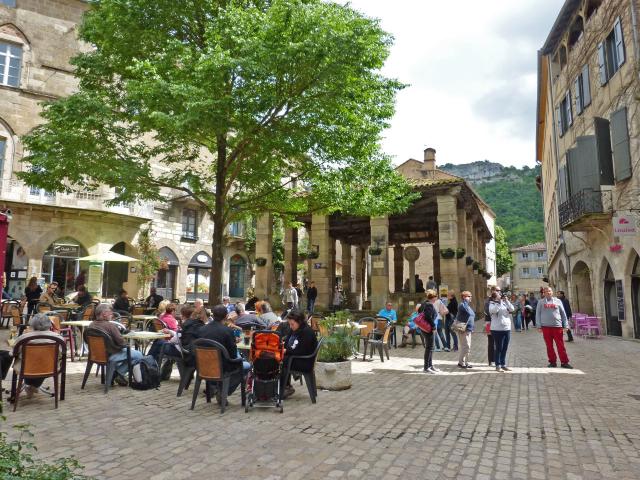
589 147
44 32
529 268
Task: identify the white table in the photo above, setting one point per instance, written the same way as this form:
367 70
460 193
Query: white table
144 337
81 324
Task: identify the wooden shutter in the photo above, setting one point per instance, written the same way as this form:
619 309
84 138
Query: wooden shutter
588 161
620 144
602 65
578 96
563 191
573 173
603 147
567 106
586 87
559 119
619 41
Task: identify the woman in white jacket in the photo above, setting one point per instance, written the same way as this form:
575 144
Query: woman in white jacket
500 310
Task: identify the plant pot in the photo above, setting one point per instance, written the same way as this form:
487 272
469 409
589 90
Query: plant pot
333 375
261 261
469 260
460 252
374 252
447 253
313 255
476 265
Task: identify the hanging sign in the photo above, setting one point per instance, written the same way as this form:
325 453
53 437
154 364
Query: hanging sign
625 225
94 281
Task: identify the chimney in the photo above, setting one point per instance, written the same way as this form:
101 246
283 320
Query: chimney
429 159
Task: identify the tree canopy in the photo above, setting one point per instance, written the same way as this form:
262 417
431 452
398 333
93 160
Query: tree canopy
246 106
504 260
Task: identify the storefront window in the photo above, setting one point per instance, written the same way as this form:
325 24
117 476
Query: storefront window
198 276
60 263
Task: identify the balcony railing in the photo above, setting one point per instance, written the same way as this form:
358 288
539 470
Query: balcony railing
586 204
17 191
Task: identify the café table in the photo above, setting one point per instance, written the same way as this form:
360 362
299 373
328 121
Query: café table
81 324
144 337
243 349
143 319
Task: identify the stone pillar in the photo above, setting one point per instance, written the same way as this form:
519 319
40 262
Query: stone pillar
462 243
471 284
435 252
359 276
379 263
322 275
411 254
264 244
291 255
448 238
332 265
398 266
346 266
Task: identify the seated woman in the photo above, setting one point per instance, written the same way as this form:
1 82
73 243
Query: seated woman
83 297
410 329
300 341
41 325
168 316
122 302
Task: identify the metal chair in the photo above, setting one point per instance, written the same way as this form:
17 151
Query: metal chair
309 377
64 332
380 343
43 307
365 333
7 314
42 356
99 343
213 364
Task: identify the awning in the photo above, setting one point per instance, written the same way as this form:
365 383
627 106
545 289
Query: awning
108 257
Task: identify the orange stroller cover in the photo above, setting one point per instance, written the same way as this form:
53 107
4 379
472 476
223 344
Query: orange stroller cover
266 345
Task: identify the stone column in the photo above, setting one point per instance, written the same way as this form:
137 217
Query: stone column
437 277
346 266
264 244
462 243
448 238
411 254
321 275
379 263
471 284
398 266
291 255
359 276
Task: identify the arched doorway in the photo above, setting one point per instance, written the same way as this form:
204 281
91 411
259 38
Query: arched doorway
635 296
237 272
198 276
15 263
611 304
582 294
116 274
60 263
165 281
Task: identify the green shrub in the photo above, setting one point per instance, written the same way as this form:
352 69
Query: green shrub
339 344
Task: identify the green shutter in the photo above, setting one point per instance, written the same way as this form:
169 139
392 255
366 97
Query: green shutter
588 160
602 66
573 173
578 96
603 147
619 40
586 87
620 144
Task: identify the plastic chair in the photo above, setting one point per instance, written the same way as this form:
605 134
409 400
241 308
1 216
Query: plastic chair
64 332
365 333
381 344
7 314
309 377
214 365
593 326
43 307
314 321
98 343
581 323
42 356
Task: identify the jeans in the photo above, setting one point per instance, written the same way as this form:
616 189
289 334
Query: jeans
121 359
311 304
465 348
157 347
555 335
439 336
501 343
517 320
448 332
428 349
490 352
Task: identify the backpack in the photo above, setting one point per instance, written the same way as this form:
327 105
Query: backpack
146 374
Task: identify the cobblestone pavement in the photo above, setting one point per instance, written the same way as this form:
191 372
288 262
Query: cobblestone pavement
394 422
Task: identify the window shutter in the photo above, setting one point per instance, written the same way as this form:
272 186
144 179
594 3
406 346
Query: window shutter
578 96
567 99
573 173
603 147
563 194
588 160
602 66
586 87
559 119
620 144
619 40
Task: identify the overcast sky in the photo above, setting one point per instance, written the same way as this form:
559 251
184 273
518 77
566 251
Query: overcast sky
471 66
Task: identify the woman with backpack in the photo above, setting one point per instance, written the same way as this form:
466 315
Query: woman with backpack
425 321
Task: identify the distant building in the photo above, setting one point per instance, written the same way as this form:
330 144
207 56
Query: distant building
529 268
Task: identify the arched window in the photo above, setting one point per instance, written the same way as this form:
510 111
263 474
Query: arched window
13 45
575 33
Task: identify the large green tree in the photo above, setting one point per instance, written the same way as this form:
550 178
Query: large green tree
504 260
246 106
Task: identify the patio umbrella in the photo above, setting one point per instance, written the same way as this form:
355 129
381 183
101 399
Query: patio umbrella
108 257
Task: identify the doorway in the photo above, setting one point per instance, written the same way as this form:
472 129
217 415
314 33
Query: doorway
237 272
611 304
635 296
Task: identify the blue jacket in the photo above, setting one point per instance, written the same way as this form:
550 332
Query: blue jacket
466 315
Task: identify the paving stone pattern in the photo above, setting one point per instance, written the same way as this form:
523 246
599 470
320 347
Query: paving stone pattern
394 422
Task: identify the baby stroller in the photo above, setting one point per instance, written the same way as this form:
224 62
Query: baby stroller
263 381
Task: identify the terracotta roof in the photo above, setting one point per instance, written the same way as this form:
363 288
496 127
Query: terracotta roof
531 248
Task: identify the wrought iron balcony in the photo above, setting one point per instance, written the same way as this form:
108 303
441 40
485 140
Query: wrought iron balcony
585 208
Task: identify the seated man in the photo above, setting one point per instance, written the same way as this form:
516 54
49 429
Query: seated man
104 314
266 314
83 297
50 296
154 299
122 302
389 313
216 330
247 320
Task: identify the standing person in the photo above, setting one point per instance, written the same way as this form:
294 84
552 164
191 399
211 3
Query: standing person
337 298
552 319
487 326
431 284
452 306
533 302
517 312
465 314
500 309
567 311
299 292
441 314
290 296
32 291
80 280
312 294
419 284
429 315
526 311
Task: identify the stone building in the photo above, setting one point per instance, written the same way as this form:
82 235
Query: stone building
587 140
529 268
50 231
446 228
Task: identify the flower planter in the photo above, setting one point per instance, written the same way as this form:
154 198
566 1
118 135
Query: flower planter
447 253
333 375
312 255
374 252
460 252
476 265
469 260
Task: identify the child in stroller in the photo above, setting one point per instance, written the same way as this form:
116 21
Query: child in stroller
263 381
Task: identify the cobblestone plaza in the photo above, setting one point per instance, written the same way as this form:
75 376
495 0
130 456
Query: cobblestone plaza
394 422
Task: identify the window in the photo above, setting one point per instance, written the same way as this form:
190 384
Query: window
611 53
10 61
564 114
8 3
235 229
525 256
189 221
525 272
540 255
540 271
582 90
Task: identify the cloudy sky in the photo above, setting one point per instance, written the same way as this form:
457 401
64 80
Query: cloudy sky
471 70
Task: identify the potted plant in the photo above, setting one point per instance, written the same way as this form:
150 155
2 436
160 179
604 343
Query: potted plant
469 260
460 252
447 252
333 368
261 261
476 265
312 254
375 251
482 271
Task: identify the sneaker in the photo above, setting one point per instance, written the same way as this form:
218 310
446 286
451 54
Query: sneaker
437 350
429 371
566 365
552 365
498 369
468 366
491 364
288 391
462 366
505 369
120 380
447 349
455 349
436 369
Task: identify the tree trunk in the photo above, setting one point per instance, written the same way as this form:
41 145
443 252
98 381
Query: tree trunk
215 282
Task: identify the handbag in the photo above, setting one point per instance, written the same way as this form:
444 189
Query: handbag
422 323
459 327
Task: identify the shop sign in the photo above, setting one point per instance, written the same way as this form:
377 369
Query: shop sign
625 225
70 251
202 258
